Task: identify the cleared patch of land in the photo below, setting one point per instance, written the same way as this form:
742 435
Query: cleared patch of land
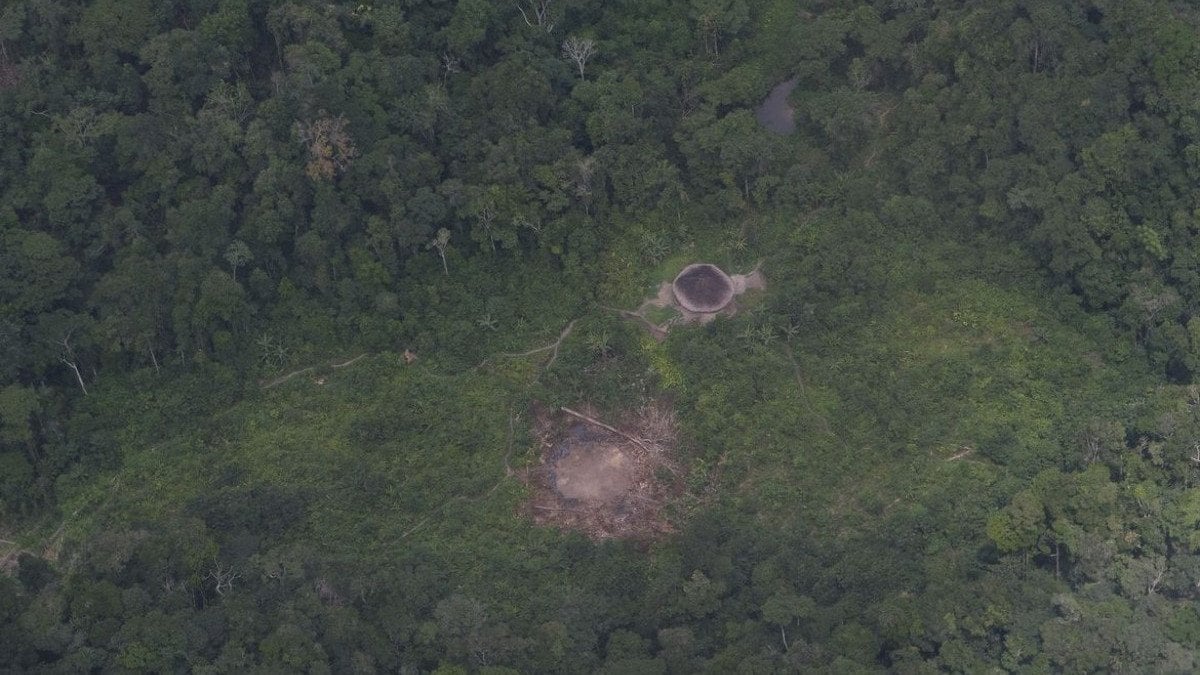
603 480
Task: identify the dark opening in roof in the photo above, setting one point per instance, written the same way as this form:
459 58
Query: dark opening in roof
703 288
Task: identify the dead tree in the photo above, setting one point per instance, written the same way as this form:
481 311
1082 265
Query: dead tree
710 33
487 217
10 76
450 65
585 170
153 356
68 358
580 50
78 126
223 577
330 148
439 243
1159 567
536 14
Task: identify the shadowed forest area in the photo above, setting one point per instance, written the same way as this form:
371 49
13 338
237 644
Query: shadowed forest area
291 291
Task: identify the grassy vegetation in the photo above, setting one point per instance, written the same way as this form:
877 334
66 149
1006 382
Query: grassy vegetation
935 398
877 430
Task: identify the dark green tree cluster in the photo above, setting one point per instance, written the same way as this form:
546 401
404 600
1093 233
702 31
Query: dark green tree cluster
1068 127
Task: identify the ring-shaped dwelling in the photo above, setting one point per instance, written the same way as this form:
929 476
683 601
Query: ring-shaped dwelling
703 288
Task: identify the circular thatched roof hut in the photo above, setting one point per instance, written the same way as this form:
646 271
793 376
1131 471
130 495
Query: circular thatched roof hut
703 288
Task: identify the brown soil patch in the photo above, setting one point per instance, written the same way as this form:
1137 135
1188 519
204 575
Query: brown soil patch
747 282
606 485
594 470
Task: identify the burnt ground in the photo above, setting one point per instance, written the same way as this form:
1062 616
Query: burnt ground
604 484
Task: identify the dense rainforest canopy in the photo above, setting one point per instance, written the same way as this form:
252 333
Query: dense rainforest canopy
277 279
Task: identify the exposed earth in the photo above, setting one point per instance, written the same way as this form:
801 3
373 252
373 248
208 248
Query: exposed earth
605 481
594 468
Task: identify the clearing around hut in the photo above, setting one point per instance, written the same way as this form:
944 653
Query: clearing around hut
699 293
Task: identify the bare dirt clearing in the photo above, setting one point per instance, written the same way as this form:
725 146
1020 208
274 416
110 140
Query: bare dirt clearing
593 468
606 481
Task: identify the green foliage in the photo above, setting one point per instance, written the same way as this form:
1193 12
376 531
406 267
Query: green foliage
956 432
1018 527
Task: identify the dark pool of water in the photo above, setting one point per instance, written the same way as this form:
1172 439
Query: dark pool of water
775 113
